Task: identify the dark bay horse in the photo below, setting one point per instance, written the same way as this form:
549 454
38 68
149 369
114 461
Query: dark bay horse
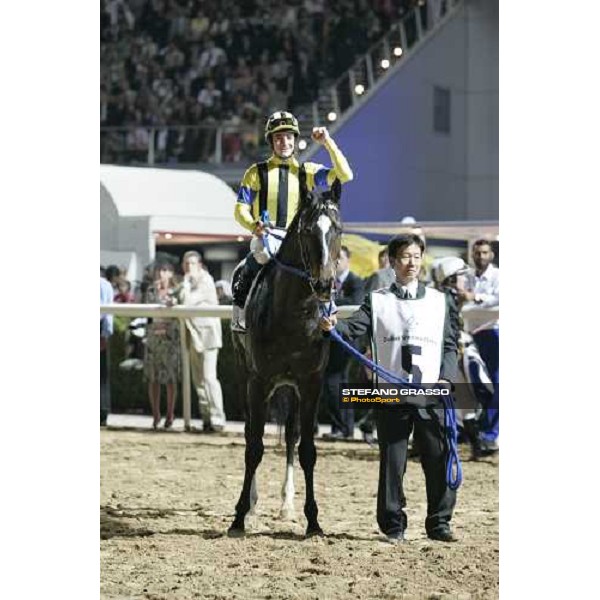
283 347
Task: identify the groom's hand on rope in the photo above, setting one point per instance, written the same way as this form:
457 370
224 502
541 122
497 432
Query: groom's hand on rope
328 323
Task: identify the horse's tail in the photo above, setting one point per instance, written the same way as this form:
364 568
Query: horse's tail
281 404
284 410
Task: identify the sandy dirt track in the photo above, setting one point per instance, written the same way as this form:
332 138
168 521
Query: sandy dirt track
166 501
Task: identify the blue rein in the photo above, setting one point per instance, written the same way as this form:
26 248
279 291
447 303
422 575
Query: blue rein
264 217
288 268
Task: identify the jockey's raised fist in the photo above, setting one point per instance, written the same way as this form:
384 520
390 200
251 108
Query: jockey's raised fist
320 135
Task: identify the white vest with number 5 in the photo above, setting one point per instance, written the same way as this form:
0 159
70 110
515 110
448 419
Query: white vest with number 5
408 334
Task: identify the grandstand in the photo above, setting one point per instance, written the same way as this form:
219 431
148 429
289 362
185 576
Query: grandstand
190 82
413 99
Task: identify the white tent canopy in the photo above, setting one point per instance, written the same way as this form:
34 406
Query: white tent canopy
137 203
184 201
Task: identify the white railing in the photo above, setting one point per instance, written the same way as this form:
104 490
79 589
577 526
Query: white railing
475 317
158 311
225 312
187 144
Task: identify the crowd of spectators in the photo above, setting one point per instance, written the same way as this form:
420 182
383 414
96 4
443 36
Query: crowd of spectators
168 63
154 344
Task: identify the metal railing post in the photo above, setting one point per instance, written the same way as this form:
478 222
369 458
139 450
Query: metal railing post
219 146
419 22
186 383
352 84
386 48
151 147
335 101
370 77
315 114
403 43
436 11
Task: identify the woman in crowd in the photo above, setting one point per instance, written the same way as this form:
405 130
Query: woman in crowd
124 294
162 356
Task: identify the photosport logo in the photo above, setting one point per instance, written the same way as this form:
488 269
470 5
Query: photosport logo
421 396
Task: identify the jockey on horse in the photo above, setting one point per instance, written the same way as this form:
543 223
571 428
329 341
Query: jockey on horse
273 186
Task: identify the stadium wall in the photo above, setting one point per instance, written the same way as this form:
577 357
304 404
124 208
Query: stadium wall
402 166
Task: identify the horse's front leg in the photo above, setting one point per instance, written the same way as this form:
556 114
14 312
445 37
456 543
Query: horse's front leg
309 404
287 511
253 496
254 429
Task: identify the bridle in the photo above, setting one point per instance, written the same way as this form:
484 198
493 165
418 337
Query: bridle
304 273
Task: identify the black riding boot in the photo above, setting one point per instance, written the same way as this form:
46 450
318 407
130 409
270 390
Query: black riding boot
243 281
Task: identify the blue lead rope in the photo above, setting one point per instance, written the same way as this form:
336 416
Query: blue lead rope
453 465
454 473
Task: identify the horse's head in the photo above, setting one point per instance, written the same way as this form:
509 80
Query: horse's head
318 226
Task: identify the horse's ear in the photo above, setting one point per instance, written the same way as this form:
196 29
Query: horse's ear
336 190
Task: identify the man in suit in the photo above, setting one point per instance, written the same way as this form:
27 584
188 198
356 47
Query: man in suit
384 277
483 290
412 335
203 340
349 291
349 287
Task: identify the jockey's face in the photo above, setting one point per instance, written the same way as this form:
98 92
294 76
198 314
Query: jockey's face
284 143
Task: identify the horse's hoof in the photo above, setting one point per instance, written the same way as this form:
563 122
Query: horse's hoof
314 532
237 529
235 532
